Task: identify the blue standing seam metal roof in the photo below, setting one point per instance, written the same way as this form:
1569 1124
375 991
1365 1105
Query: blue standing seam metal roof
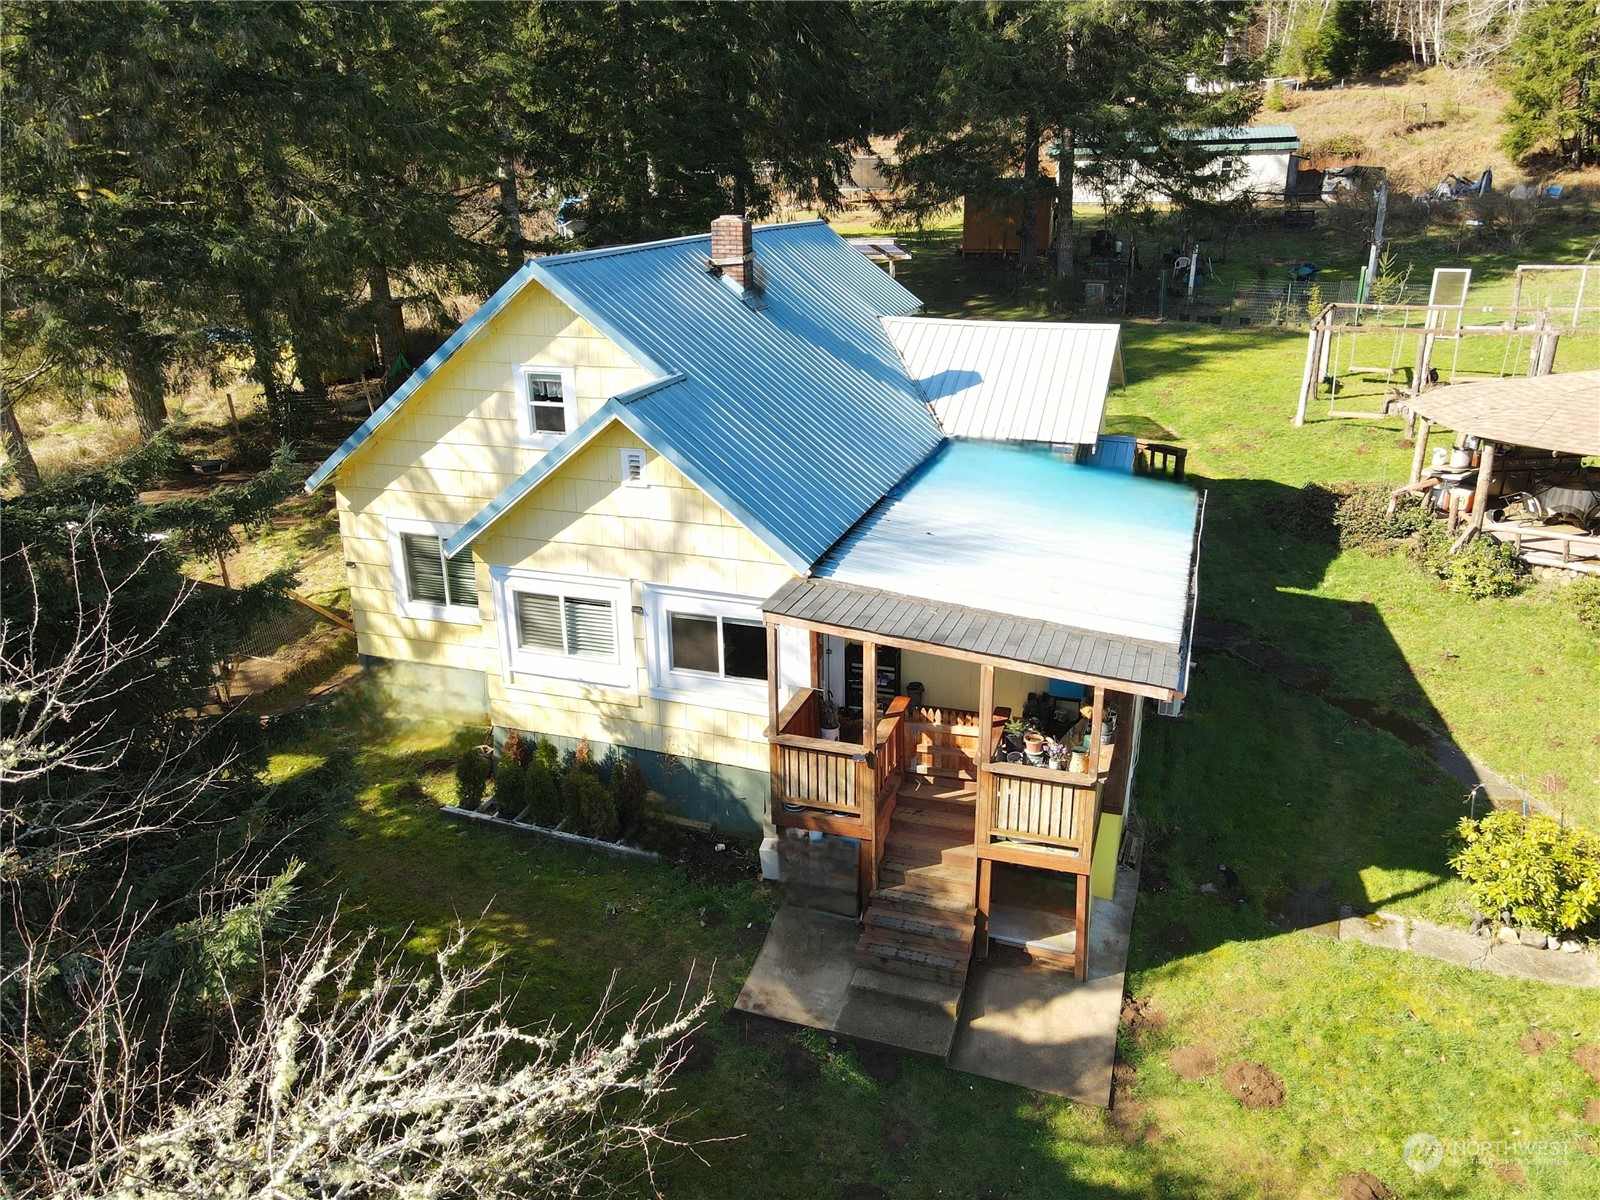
796 415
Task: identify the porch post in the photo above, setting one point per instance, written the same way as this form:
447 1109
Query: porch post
984 806
774 751
773 667
869 694
1417 458
1095 726
814 644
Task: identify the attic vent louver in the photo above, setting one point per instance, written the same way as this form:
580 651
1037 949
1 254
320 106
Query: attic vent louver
733 258
633 468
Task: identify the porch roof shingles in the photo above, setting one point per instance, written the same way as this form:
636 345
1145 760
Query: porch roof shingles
1022 640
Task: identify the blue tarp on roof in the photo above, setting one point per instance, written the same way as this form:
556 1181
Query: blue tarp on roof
796 416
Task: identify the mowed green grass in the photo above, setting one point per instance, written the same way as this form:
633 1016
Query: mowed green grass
1513 682
1307 806
1371 1046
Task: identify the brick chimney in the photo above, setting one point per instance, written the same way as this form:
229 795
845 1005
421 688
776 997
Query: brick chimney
732 250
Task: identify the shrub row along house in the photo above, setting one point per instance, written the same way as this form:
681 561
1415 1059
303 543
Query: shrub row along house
687 498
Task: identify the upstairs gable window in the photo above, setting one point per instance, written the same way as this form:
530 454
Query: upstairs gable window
547 404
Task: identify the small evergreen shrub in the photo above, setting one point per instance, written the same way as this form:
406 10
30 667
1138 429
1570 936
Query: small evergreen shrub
1484 570
1583 597
591 810
516 749
1545 876
473 773
545 753
509 786
630 792
1276 99
541 794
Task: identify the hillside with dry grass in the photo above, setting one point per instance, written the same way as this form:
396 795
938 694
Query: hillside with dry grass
1419 124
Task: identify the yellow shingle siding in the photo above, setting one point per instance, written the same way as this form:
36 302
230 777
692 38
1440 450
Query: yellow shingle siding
451 448
583 521
454 445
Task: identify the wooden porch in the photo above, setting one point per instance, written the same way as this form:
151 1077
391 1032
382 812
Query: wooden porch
934 816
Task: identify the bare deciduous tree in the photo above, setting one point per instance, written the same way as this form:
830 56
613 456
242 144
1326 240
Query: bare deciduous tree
164 1031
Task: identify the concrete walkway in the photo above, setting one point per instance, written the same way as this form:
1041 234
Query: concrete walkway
1016 1022
1409 935
1032 1026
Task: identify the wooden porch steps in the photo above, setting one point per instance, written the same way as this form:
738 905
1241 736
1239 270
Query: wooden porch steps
921 919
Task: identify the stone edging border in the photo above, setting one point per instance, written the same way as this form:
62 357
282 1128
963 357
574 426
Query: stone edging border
557 835
1390 931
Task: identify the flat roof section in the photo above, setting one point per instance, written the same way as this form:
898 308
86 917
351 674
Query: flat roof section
1023 532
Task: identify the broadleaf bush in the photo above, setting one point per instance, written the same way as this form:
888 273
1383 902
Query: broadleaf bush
1583 597
1546 876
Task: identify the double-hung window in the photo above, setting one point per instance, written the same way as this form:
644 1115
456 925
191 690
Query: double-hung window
707 646
547 400
428 584
568 627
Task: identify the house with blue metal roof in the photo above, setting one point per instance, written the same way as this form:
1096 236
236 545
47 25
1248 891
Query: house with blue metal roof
825 568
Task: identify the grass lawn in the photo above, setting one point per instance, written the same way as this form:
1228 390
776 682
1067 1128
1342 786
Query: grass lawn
1309 807
1371 1046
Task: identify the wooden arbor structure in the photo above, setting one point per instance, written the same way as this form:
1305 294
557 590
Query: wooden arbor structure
1526 430
920 773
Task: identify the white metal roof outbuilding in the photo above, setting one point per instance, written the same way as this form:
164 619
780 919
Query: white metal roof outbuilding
1011 381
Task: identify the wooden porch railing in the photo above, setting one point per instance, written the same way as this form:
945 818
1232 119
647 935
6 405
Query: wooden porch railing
944 742
815 772
1041 807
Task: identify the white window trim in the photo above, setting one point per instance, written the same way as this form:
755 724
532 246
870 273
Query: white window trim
454 614
517 661
568 376
689 687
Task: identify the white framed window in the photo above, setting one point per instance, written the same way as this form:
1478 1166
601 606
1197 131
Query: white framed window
565 626
706 647
427 585
547 403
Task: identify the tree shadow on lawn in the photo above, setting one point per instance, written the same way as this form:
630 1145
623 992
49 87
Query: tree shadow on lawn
1273 801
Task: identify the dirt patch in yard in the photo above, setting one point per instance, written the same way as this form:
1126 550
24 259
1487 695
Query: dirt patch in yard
1142 1017
1363 1185
800 1065
1512 1173
898 1133
1254 1085
1537 1041
1588 1057
699 1052
1127 1115
881 1066
1192 1062
1591 1110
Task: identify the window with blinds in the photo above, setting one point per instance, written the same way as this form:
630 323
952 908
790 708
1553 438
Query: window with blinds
574 626
431 578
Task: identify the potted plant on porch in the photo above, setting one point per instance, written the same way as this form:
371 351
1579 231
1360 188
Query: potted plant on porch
827 716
